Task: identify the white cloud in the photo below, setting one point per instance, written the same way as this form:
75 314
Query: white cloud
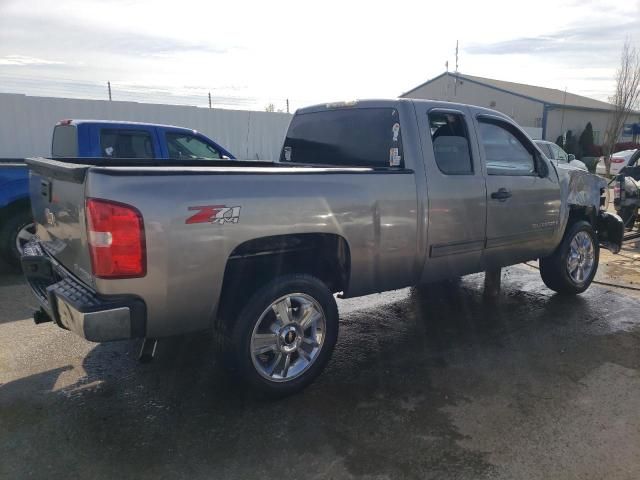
22 60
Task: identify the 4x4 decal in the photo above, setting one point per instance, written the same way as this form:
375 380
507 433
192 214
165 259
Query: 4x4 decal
218 214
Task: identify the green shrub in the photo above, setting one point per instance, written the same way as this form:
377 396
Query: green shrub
591 163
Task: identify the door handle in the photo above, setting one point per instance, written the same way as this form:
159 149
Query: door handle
502 194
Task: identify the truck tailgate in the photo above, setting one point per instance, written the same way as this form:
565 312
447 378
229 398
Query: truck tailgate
57 193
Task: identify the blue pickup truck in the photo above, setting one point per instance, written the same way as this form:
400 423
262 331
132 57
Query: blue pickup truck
97 139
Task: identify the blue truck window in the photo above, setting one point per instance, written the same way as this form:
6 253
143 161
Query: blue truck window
65 141
126 143
185 146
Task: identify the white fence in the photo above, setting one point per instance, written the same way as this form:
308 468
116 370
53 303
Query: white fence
26 123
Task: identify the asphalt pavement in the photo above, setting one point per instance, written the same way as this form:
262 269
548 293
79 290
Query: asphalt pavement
431 384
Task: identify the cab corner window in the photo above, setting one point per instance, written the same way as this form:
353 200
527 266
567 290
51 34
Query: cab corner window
505 153
450 143
350 137
183 146
126 143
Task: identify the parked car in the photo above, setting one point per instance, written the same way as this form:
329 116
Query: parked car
16 223
626 188
361 201
618 161
555 153
92 138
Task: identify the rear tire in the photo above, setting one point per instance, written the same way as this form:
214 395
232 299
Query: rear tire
14 233
571 268
284 335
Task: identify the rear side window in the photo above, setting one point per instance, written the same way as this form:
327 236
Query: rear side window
361 137
65 141
185 146
506 152
450 140
126 143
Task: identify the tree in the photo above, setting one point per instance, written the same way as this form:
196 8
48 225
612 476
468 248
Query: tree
571 143
270 108
625 98
586 140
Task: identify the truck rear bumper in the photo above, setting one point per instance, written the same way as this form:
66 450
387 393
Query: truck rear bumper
75 307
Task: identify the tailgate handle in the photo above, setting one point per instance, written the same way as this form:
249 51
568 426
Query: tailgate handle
45 189
502 194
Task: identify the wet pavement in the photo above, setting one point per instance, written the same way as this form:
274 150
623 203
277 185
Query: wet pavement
437 383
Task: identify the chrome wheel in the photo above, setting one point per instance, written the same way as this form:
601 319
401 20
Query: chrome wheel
25 234
581 258
288 337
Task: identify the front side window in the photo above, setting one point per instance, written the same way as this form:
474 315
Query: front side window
188 147
450 143
358 137
126 143
505 153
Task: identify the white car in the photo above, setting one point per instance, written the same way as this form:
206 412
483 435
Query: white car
618 160
558 155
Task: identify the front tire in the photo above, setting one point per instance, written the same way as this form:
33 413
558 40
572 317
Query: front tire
571 268
284 336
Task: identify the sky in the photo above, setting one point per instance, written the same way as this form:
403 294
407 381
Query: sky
249 54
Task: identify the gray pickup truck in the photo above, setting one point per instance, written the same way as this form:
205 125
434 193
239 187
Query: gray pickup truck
367 196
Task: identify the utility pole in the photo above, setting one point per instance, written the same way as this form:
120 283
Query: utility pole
209 99
455 85
109 88
564 102
287 105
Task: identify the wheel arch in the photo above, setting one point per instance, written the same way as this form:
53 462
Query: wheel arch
326 256
15 206
588 213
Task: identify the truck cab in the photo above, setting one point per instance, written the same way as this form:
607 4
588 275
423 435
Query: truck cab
131 140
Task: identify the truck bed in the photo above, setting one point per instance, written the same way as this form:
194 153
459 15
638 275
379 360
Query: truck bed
199 216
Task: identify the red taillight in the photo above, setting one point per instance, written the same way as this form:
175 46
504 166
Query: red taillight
617 160
116 239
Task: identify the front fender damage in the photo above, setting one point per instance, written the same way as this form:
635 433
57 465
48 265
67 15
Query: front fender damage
584 191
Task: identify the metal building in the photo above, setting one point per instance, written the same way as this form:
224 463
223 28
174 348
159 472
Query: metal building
545 113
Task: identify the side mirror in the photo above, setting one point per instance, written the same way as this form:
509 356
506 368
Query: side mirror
571 157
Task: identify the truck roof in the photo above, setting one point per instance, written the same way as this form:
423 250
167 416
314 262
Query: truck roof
79 121
390 102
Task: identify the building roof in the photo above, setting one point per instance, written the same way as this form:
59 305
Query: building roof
549 96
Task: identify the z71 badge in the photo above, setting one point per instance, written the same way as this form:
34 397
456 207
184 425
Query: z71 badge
218 214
